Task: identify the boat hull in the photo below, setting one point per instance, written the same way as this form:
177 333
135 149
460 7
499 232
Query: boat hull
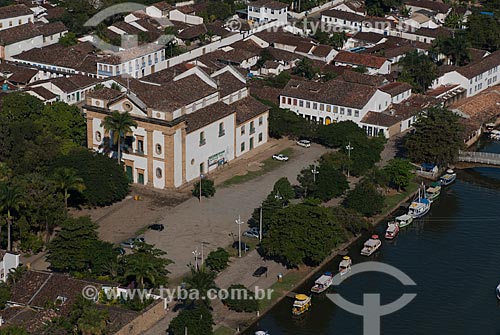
498 292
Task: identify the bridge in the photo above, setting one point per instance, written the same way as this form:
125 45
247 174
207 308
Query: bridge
486 158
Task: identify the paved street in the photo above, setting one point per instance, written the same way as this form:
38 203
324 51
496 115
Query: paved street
213 220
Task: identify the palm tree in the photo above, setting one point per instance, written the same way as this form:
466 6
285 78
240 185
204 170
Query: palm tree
11 199
140 267
92 322
120 124
202 281
16 274
455 48
67 179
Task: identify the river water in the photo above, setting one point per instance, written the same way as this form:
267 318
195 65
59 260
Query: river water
453 255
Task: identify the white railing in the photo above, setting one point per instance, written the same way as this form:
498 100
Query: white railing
479 157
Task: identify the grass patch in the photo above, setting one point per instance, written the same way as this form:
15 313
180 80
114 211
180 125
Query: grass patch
141 231
393 200
223 331
267 165
250 241
289 281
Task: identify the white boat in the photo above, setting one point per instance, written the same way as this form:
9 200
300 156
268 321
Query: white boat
433 191
261 332
370 246
448 178
391 231
404 220
419 207
498 291
323 283
495 134
345 265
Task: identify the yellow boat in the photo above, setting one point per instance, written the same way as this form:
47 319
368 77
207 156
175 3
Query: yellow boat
301 304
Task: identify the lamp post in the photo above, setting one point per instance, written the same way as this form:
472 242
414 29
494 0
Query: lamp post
239 222
196 254
260 225
201 178
349 148
314 171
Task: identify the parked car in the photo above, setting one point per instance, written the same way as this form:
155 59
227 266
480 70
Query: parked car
304 143
280 157
253 232
157 227
260 271
244 246
119 250
130 243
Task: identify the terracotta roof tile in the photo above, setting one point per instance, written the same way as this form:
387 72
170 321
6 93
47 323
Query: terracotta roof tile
19 33
268 4
471 70
429 4
380 119
207 115
14 11
359 59
343 15
395 88
248 108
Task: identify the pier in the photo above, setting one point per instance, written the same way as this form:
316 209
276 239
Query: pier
481 158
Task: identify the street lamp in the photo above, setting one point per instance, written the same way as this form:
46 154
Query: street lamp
239 222
349 148
196 254
260 224
314 171
201 178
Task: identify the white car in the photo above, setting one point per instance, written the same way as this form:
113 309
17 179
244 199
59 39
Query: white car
280 157
304 143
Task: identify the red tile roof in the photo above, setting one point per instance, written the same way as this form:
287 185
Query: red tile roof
14 11
360 59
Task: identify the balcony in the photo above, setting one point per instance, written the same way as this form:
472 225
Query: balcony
104 73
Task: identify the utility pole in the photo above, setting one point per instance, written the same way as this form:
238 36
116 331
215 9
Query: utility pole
314 172
349 148
239 222
260 225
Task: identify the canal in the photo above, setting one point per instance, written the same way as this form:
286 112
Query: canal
453 254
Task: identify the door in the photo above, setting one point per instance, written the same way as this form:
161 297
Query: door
130 174
140 178
251 143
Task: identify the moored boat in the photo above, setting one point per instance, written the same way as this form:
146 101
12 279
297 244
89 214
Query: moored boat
345 265
322 283
371 245
391 231
448 178
495 135
498 291
419 207
433 191
261 332
404 220
301 304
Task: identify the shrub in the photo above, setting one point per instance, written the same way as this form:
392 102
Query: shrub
365 199
241 299
105 181
207 188
217 260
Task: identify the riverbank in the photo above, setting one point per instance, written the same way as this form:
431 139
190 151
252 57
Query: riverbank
295 278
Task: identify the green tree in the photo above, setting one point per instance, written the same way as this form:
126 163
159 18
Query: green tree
365 199
73 247
147 264
4 295
87 318
217 260
68 40
197 321
484 31
284 189
351 220
305 68
456 48
241 299
338 39
11 200
16 274
399 172
67 179
302 234
119 124
202 281
207 188
105 181
13 330
418 70
278 81
285 123
437 138
454 20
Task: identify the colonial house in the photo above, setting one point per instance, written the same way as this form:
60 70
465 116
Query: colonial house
9 261
71 90
262 11
187 126
399 91
474 77
347 20
440 9
15 15
16 40
332 101
373 64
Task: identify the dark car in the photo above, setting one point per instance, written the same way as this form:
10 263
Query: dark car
260 271
244 246
157 226
120 251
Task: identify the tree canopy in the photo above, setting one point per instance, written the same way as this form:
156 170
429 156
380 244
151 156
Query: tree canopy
418 70
399 172
365 199
437 138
